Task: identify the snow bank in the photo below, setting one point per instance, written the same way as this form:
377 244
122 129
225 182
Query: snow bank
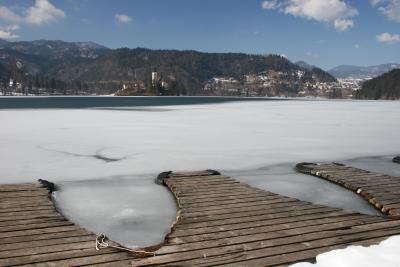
386 254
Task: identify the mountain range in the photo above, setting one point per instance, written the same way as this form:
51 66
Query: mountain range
358 72
103 69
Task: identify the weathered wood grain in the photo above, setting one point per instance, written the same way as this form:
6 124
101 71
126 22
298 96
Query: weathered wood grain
222 222
33 233
376 188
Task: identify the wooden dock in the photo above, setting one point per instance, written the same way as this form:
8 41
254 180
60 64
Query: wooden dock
380 190
222 222
33 233
396 159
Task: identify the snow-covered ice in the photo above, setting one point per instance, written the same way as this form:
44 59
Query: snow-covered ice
283 179
226 136
69 145
129 209
105 160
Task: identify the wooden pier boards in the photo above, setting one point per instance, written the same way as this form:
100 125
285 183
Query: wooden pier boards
222 222
33 233
396 159
382 191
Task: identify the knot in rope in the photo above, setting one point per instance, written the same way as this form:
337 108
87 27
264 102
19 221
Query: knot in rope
102 242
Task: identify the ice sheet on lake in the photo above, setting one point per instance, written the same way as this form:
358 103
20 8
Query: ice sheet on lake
284 180
122 207
105 145
232 136
379 164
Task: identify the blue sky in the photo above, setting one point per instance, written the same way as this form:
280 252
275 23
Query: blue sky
326 33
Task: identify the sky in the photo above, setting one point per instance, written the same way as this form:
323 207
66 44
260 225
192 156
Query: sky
325 33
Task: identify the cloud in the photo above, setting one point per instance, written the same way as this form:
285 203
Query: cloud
43 12
376 2
357 46
270 4
122 18
392 10
6 32
388 38
40 13
7 15
335 12
343 24
389 8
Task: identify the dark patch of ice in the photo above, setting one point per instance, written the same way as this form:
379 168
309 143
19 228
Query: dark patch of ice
97 155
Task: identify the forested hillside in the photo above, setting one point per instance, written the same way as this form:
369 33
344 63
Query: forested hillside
98 69
386 86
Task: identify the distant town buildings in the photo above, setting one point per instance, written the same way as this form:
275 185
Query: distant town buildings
269 83
154 78
275 83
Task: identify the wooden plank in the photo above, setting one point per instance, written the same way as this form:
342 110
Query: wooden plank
33 233
47 236
82 254
45 249
286 259
216 228
19 194
282 213
48 242
371 186
121 257
26 208
225 198
266 233
217 195
21 227
263 217
20 187
38 231
276 206
7 205
212 191
30 216
257 202
113 264
226 221
6 216
264 249
56 217
219 203
241 231
205 187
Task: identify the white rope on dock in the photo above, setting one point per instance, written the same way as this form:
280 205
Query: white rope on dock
102 242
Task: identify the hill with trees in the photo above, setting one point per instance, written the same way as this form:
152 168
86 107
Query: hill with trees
96 69
386 86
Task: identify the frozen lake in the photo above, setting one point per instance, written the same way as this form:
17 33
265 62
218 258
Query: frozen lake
106 158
